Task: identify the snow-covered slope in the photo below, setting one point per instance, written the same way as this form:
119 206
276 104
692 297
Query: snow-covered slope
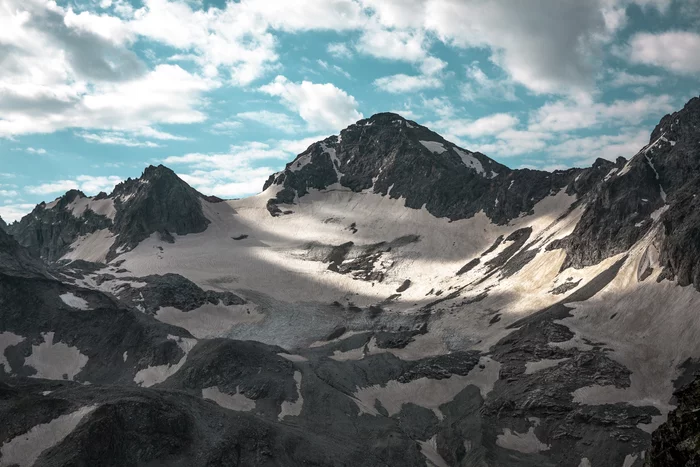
398 285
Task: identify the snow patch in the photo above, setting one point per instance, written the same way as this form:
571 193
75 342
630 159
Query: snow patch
237 401
7 339
147 377
74 302
293 408
434 146
429 450
25 449
527 443
210 321
55 360
91 247
470 161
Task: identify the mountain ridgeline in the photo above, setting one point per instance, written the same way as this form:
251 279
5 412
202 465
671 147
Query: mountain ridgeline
389 298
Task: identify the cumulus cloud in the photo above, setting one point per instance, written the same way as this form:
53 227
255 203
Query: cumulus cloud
280 121
239 172
88 184
489 125
623 79
14 211
402 83
322 106
676 51
480 86
567 115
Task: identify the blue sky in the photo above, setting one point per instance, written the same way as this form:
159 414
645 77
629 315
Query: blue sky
225 93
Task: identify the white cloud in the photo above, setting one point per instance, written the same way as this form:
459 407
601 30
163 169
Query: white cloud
117 139
610 147
276 120
322 106
226 127
339 50
401 83
36 150
623 79
567 115
88 184
237 172
167 94
513 142
676 51
407 45
489 125
14 212
480 86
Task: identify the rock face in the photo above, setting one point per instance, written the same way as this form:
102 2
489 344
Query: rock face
3 224
661 181
156 203
399 158
329 322
677 442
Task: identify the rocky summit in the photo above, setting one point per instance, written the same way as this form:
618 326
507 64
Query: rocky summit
388 299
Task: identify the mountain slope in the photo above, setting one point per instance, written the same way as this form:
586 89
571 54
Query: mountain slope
386 300
389 155
157 202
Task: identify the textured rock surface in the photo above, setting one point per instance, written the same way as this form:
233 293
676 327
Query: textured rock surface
395 157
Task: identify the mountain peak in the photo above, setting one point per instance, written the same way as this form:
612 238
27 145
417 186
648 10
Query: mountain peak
391 156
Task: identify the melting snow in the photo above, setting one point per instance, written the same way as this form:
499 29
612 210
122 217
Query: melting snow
157 374
74 302
434 146
293 408
55 360
527 443
25 449
237 401
470 161
7 339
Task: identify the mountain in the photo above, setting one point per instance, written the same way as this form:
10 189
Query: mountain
388 299
399 158
157 202
3 224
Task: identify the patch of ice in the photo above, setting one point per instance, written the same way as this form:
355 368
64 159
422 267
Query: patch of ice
238 402
527 442
610 174
125 355
469 160
7 339
210 321
434 146
91 247
55 360
429 450
74 302
293 409
426 392
25 449
147 377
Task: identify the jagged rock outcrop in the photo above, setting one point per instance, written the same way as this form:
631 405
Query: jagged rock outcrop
661 182
677 442
395 157
158 202
50 229
3 225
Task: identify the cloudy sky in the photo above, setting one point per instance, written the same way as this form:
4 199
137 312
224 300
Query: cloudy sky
92 91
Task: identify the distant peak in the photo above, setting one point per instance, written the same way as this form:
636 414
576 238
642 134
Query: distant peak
152 172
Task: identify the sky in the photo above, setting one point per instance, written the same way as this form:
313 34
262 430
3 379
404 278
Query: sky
227 92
